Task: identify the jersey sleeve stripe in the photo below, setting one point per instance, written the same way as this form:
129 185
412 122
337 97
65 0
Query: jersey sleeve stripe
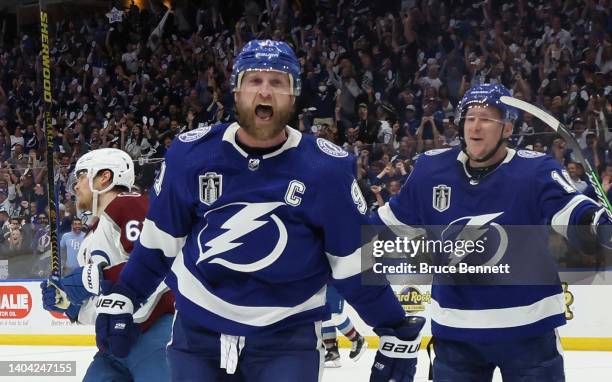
191 288
154 238
345 266
144 312
498 318
387 216
561 219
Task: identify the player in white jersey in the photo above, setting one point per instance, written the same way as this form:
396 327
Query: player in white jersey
103 179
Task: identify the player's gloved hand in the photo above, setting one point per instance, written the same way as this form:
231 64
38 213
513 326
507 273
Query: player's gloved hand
601 227
396 358
84 282
55 300
115 328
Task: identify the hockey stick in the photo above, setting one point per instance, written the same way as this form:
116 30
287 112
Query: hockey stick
571 141
56 261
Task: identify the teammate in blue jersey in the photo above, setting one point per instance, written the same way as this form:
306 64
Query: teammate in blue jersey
486 185
248 223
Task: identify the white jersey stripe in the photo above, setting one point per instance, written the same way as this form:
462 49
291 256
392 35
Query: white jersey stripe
498 318
190 287
154 238
401 229
561 219
345 266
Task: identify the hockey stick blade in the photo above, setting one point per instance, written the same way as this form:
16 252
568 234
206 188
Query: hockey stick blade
557 126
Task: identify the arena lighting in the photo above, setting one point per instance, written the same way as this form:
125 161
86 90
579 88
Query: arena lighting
142 3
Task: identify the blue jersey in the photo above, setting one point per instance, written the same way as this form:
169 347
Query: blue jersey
70 244
526 189
253 240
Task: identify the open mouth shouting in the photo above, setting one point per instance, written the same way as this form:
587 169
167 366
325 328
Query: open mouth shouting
264 111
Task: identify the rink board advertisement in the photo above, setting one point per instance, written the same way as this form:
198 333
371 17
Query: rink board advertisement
24 321
588 327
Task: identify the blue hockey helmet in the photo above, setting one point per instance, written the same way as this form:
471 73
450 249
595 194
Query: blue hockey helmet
267 55
487 95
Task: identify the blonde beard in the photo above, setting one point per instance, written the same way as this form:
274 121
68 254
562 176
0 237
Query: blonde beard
246 119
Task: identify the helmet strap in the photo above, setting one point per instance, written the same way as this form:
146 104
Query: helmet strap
96 194
94 205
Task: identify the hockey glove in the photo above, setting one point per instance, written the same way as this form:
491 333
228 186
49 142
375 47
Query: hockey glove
84 282
55 300
601 227
396 358
115 328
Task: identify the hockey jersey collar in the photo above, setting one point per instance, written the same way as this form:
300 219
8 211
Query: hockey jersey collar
293 140
463 158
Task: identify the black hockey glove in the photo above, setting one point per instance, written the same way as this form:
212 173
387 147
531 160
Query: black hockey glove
396 358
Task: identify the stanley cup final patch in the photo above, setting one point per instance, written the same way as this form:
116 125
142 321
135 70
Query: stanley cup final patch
441 197
211 187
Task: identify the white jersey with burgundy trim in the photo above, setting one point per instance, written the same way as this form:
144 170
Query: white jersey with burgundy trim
111 239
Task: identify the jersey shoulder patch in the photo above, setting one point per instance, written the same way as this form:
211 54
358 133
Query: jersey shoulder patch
529 154
436 151
195 134
331 149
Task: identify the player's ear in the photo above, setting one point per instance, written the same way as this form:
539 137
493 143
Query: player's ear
106 177
508 127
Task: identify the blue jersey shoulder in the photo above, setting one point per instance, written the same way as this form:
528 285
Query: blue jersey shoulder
327 156
196 137
529 161
434 161
186 143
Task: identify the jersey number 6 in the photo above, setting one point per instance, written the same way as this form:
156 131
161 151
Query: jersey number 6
132 230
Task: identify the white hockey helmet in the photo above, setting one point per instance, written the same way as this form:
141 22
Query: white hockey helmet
115 160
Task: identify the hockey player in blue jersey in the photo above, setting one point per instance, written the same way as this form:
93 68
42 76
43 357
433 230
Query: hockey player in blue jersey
480 327
249 221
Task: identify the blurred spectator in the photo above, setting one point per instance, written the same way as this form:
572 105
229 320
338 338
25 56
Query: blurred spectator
15 243
5 227
70 244
579 184
368 126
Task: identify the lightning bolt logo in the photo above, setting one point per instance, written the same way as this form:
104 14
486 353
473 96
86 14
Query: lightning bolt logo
475 229
239 225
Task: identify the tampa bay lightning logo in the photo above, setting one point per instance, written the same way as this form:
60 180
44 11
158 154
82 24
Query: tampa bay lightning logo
482 229
194 135
331 149
435 152
529 154
237 233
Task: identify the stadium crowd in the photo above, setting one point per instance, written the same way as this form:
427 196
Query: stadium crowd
381 79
